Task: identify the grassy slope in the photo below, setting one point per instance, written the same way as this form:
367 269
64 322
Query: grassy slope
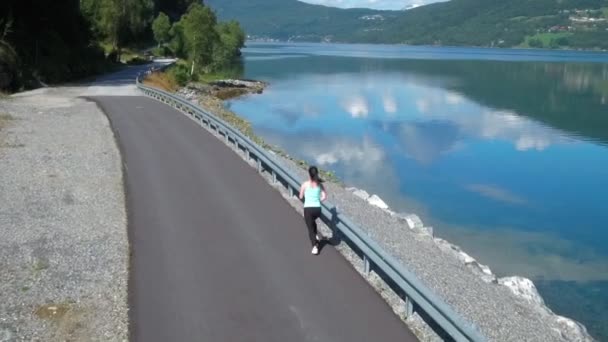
545 38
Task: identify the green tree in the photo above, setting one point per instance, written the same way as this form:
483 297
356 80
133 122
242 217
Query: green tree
231 40
118 20
562 41
8 56
200 36
553 44
161 27
207 44
535 43
178 41
52 44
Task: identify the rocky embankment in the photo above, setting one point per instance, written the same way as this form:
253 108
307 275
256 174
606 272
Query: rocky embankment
503 309
223 89
211 97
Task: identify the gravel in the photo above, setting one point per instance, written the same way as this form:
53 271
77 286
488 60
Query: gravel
64 246
492 308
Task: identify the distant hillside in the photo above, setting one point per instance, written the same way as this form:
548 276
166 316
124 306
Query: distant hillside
295 20
506 23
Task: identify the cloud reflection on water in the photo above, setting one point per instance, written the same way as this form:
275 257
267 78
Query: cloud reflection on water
356 106
424 141
496 193
362 125
474 121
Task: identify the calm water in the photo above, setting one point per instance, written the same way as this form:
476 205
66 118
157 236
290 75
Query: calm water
504 152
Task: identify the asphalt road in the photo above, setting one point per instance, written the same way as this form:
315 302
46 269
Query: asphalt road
217 254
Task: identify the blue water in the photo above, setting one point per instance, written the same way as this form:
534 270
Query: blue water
504 152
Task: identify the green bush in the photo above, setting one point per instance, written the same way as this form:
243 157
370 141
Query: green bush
180 73
138 61
112 56
535 43
162 51
563 41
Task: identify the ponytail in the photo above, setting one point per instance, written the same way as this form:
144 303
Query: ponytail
313 172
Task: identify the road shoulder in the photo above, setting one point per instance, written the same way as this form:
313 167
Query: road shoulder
64 247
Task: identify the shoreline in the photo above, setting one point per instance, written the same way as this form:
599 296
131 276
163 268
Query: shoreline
521 289
277 41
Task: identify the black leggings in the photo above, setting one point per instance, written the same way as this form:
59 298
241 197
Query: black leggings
311 215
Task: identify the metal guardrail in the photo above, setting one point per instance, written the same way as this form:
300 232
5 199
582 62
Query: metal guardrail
413 291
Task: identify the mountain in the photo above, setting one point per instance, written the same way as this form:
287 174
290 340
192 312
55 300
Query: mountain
299 21
502 23
505 23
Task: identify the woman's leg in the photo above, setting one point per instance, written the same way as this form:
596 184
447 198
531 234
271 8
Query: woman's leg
316 213
311 224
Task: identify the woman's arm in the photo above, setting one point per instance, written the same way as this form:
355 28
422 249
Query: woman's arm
302 188
323 194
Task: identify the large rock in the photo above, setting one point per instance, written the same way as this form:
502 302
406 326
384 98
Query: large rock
454 250
572 331
254 85
227 89
481 270
413 221
361 194
376 201
523 288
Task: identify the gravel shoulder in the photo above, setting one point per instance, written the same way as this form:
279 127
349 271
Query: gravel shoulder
64 246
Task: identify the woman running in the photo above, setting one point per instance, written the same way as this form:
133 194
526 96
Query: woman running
313 193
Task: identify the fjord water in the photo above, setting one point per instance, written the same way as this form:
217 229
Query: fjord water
503 152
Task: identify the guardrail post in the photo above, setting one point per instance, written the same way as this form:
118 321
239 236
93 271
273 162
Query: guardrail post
259 165
292 192
366 265
408 306
274 177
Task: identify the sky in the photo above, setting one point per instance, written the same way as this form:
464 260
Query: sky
376 4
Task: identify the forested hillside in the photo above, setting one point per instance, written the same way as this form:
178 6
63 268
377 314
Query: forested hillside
55 41
44 40
504 23
295 20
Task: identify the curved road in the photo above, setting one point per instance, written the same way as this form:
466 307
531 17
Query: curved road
217 254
